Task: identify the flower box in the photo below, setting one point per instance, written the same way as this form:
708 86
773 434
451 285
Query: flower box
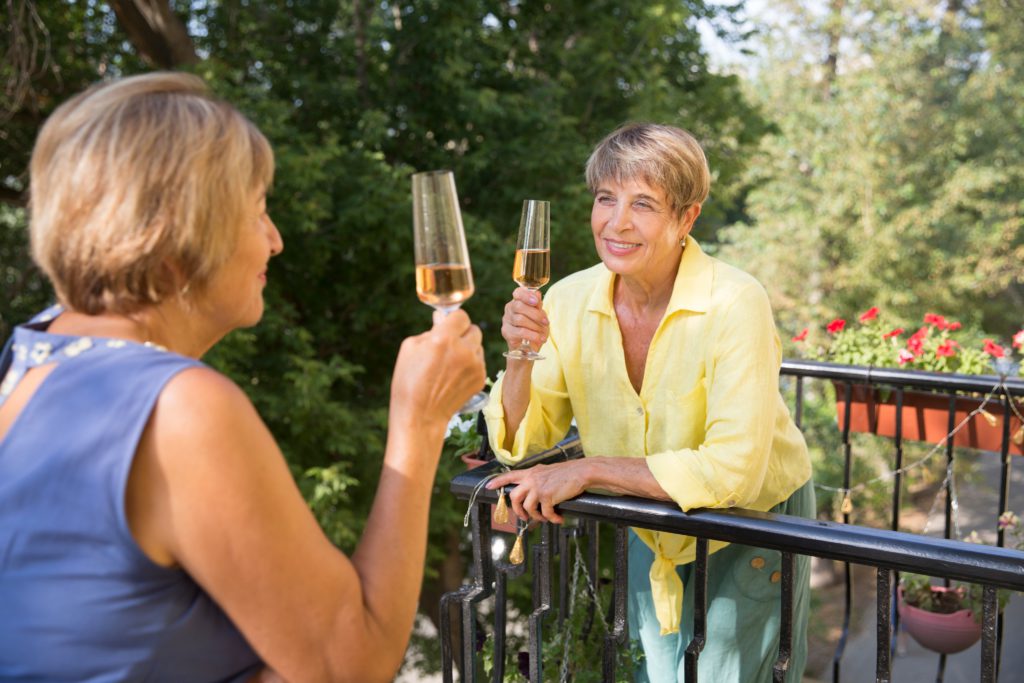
925 417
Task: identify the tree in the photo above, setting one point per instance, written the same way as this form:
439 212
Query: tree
898 187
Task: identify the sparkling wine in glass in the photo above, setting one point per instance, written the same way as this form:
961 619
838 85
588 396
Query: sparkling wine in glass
532 265
443 277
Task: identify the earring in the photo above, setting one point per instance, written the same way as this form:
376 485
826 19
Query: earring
682 242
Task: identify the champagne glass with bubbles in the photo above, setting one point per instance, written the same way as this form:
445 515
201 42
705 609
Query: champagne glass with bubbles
532 265
443 276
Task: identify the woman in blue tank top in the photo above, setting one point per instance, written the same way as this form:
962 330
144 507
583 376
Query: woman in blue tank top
149 527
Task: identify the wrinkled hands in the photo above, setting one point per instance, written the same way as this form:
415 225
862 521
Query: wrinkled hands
437 371
524 318
540 488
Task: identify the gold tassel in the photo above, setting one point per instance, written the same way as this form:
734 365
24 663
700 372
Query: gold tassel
501 509
989 417
1018 437
847 506
516 556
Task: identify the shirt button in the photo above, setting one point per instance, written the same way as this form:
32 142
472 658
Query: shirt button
757 563
775 577
639 411
731 502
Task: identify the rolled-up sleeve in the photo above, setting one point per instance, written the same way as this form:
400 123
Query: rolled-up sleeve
547 417
742 374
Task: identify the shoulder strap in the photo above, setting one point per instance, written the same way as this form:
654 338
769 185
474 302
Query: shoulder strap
5 357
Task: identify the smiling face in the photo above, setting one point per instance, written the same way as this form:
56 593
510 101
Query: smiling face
635 230
234 297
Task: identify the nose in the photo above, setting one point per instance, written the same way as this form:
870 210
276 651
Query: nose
618 217
274 237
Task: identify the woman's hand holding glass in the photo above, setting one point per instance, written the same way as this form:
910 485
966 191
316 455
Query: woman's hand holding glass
524 320
437 371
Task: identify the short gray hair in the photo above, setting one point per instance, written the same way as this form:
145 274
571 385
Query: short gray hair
665 157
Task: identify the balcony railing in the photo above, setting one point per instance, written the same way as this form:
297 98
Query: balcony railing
552 548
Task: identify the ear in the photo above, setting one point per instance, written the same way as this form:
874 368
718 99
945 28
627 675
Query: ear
687 219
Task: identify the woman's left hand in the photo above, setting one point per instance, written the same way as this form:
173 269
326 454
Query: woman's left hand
540 488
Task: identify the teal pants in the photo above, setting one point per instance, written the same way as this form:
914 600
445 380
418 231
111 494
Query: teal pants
743 617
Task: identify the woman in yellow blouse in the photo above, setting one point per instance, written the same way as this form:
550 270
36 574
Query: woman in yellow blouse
668 359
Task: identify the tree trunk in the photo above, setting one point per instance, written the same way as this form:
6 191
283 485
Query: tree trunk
156 32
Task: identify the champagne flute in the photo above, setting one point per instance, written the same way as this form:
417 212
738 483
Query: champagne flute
532 265
443 276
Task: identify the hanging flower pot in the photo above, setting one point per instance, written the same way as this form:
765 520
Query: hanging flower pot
925 417
944 633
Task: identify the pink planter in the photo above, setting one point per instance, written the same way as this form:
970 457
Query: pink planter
945 633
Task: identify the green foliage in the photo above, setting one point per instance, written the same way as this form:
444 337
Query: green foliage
891 180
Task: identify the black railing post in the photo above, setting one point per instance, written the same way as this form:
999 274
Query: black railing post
883 628
781 667
619 629
700 611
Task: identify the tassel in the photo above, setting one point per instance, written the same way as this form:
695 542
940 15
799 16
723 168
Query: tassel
501 509
516 556
989 417
847 506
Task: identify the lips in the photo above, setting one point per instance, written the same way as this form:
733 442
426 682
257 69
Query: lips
620 248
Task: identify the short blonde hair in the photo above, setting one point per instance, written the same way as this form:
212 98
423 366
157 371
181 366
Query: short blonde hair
662 156
139 188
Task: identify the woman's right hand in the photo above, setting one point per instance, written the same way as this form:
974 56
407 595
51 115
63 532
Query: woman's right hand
438 371
525 319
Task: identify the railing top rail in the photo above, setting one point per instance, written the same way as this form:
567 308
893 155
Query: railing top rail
861 545
940 381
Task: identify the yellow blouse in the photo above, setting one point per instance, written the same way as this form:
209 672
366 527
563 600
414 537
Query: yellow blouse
709 417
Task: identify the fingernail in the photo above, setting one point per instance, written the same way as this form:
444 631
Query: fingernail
533 299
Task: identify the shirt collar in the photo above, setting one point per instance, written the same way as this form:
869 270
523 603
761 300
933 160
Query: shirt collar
690 292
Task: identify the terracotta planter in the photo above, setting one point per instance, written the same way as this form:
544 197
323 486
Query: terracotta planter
945 633
925 417
509 527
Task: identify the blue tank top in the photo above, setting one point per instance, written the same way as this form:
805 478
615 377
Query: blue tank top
79 601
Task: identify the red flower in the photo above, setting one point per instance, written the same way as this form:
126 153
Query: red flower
1018 340
835 326
800 337
894 333
869 314
937 320
916 341
946 348
993 349
953 326
905 357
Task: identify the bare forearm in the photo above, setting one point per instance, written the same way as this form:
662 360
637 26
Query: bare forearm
390 555
515 397
624 476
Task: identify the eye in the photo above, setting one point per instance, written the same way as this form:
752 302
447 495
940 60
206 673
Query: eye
606 199
642 204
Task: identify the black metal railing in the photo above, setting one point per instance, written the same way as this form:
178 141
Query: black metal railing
888 550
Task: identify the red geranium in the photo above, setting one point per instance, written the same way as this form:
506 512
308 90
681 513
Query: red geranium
869 314
893 333
916 341
937 320
946 348
993 349
836 326
905 357
1018 340
800 337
